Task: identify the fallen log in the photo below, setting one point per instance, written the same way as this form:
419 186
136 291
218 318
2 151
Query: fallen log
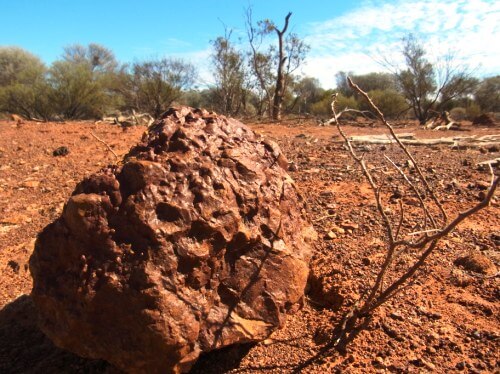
409 138
493 162
135 119
443 121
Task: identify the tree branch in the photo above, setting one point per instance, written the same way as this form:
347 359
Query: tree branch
105 144
378 294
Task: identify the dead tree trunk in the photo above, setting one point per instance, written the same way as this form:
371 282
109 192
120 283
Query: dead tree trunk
442 122
280 76
255 56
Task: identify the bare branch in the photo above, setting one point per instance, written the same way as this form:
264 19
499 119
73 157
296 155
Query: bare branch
106 144
378 294
417 193
401 145
401 219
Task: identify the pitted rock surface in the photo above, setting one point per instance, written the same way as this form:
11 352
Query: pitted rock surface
197 241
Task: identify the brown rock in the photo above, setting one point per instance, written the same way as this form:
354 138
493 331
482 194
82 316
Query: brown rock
330 235
61 151
338 230
494 148
349 225
197 242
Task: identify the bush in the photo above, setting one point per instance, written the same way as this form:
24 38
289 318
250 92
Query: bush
458 113
155 84
323 107
75 91
472 111
18 66
29 100
389 102
23 85
488 94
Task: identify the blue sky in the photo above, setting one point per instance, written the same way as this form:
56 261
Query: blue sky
343 35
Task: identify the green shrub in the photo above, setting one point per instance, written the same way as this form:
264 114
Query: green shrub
323 107
23 85
472 111
76 93
458 113
389 102
487 95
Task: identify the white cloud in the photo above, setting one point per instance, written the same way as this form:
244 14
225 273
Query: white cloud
201 60
353 41
174 43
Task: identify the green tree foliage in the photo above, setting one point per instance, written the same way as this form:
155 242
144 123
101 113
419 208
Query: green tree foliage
458 113
376 81
84 83
368 82
416 82
472 110
154 85
341 83
229 93
306 92
263 85
23 88
76 92
88 82
105 70
323 106
487 95
18 65
428 87
381 87
261 66
196 99
98 57
32 101
390 102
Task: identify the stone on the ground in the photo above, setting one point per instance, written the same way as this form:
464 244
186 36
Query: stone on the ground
196 242
61 151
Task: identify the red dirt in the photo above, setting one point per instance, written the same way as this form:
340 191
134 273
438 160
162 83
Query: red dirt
448 320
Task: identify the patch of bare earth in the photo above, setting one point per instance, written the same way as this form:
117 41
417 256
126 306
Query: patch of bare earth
446 321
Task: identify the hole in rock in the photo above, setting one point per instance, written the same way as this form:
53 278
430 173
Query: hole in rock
200 231
168 213
178 145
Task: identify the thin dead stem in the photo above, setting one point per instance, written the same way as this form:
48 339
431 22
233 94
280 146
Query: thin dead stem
401 219
362 311
105 144
381 116
417 193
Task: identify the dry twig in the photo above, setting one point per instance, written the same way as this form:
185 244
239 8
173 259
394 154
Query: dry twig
427 239
334 120
105 144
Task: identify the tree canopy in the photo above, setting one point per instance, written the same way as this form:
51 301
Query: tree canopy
259 76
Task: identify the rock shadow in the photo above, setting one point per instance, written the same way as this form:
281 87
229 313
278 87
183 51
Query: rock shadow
221 360
25 349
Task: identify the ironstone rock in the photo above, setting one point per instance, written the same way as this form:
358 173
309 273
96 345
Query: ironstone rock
197 241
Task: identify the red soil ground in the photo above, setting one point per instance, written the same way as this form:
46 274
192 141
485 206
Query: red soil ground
447 320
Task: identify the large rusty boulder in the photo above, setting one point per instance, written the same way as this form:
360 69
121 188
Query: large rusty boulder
197 241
